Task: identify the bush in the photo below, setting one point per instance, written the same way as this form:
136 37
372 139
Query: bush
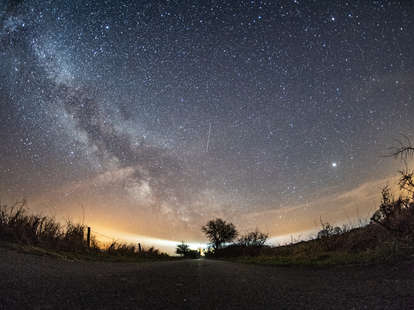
184 250
253 239
396 216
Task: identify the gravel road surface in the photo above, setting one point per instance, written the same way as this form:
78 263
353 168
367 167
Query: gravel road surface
42 282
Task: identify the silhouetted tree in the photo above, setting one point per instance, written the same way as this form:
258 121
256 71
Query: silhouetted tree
219 231
182 249
253 239
328 230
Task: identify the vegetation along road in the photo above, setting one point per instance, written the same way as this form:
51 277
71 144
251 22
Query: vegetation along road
43 282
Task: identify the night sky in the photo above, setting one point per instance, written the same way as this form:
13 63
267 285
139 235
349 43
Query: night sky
152 117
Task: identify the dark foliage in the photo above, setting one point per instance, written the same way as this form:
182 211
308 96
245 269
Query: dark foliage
253 239
395 215
327 232
182 249
219 232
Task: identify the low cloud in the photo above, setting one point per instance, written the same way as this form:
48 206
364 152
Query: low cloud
347 207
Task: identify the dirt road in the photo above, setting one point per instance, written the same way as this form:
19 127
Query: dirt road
40 282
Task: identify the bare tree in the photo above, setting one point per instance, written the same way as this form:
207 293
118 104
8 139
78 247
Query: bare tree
404 149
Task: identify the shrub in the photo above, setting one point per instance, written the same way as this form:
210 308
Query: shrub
253 239
395 215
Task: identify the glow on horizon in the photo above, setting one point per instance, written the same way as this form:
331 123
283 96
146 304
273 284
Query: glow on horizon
170 245
163 244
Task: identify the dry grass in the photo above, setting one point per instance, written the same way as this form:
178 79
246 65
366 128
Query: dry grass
36 232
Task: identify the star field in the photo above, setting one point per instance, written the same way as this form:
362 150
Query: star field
166 113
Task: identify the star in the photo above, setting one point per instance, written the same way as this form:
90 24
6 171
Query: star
165 115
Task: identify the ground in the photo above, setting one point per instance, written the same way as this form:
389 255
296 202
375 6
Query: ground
44 282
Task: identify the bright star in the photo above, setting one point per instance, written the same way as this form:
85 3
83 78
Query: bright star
334 165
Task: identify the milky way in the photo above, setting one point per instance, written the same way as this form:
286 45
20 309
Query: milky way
166 113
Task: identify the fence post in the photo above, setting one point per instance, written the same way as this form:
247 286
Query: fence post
139 247
88 237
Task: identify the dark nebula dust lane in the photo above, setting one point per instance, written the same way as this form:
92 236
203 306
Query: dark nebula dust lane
158 115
